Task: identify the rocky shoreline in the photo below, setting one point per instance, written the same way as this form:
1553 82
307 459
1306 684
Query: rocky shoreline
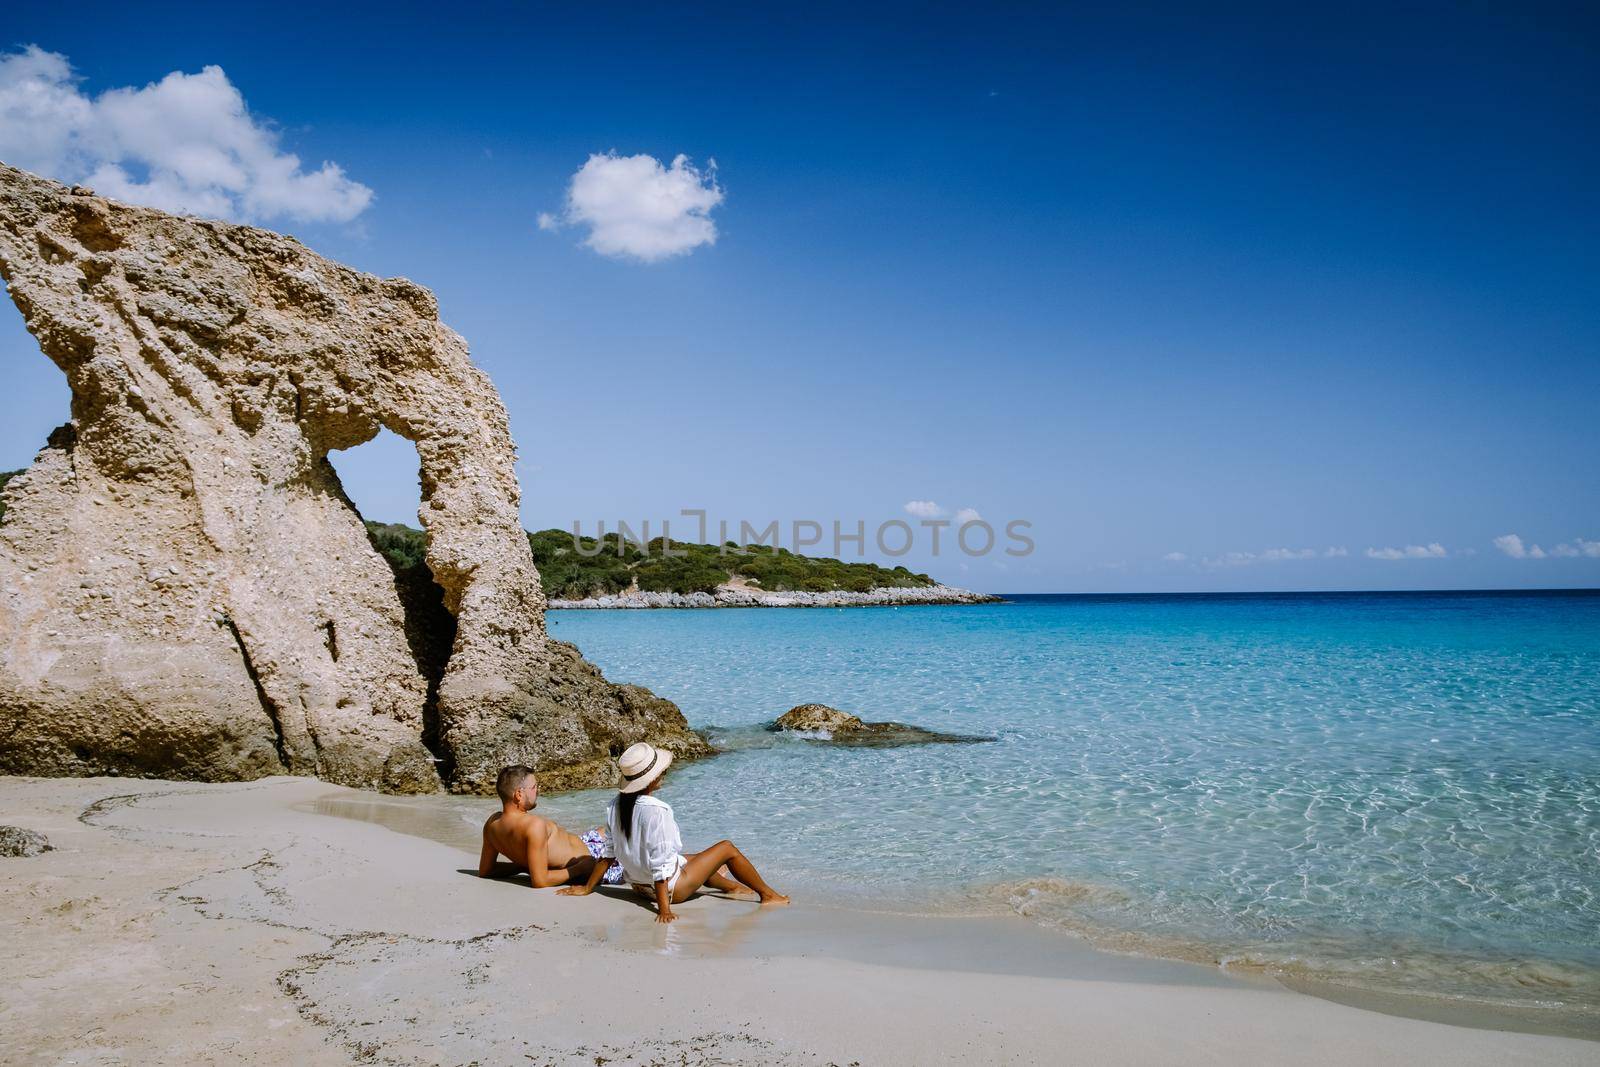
735 597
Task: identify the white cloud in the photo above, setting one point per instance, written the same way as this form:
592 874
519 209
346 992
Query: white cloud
1175 557
1512 546
966 515
1230 559
41 109
1517 548
186 144
635 208
923 509
1337 553
1270 555
1432 550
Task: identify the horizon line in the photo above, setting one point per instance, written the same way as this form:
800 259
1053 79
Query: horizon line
1587 589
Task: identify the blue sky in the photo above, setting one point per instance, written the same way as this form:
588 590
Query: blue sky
1238 286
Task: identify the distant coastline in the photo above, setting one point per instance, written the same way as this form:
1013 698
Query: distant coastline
739 596
611 572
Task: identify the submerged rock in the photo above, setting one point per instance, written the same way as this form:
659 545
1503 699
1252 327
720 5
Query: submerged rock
15 841
185 589
842 728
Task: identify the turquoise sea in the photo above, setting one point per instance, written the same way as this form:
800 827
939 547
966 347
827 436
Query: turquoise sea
1398 791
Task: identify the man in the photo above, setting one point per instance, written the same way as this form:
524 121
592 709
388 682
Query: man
532 843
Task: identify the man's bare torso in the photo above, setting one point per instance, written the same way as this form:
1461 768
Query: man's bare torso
512 834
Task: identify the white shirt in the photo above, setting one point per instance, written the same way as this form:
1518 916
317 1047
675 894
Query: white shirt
653 851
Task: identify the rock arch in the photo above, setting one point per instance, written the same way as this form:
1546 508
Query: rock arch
186 591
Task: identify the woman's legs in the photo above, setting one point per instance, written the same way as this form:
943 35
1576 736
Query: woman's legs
701 867
724 884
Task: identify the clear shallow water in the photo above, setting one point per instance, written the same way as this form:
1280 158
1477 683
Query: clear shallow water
1395 790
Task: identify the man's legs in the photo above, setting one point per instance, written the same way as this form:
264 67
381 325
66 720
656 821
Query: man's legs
579 868
701 867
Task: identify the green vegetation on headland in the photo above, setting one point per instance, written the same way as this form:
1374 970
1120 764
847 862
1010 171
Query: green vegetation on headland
609 565
601 566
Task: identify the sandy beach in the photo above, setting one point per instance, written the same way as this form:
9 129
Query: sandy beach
180 922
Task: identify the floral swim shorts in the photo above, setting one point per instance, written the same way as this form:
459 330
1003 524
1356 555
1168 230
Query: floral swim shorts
596 841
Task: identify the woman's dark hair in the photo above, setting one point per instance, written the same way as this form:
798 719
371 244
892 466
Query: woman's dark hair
625 802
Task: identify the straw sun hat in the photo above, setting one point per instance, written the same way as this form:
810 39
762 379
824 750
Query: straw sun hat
642 764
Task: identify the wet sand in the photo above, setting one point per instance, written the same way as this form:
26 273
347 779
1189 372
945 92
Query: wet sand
195 923
993 944
716 927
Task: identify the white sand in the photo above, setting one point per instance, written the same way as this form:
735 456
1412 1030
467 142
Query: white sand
192 923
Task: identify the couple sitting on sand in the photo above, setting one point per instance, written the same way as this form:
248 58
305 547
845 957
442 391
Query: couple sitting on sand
639 845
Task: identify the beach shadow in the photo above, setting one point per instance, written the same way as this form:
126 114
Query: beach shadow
699 930
516 878
615 892
622 892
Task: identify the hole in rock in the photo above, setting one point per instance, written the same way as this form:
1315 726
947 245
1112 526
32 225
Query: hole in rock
37 397
381 480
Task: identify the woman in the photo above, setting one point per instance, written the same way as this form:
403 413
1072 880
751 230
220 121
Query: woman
642 835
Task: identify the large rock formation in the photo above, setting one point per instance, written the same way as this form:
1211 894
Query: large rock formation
185 589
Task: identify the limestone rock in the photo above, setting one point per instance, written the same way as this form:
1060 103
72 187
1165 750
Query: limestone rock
17 842
817 717
186 591
841 728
